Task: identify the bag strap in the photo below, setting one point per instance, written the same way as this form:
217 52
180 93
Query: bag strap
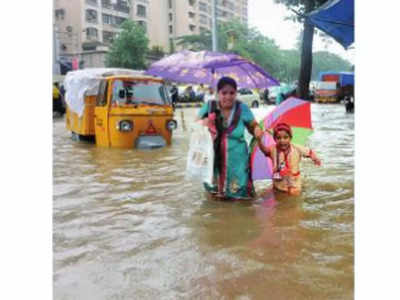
236 116
212 106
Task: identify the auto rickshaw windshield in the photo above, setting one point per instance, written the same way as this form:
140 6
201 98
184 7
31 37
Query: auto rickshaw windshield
139 92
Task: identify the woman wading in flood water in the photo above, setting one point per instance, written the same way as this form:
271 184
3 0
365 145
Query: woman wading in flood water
227 119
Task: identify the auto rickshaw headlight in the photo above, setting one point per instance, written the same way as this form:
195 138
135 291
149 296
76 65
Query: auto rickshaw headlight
172 125
125 125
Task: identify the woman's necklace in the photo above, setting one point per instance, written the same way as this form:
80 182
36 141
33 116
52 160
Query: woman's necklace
226 117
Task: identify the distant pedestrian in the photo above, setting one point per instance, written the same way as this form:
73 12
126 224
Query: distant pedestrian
174 95
266 95
349 104
210 95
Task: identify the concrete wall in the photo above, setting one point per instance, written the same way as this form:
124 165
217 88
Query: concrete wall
158 24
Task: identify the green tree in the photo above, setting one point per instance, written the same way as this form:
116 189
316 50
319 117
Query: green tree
171 46
156 51
326 61
290 65
235 37
195 42
304 7
129 49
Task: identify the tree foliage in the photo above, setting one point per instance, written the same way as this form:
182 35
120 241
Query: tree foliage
250 43
156 51
290 65
302 8
326 61
235 37
195 42
129 49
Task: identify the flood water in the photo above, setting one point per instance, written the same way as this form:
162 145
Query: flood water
127 225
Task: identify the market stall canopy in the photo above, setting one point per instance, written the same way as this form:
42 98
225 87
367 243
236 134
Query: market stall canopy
206 67
335 18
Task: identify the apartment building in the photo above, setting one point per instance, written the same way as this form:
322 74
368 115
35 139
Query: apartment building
194 16
84 29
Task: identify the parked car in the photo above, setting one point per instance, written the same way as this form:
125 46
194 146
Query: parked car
187 93
273 92
251 98
281 93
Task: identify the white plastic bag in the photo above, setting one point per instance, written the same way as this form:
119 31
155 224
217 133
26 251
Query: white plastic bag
200 159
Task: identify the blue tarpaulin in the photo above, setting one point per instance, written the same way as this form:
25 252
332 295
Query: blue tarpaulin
345 78
335 18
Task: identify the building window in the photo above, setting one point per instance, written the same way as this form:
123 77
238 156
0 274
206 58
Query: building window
192 2
192 27
169 3
91 2
170 17
192 15
119 20
170 29
122 6
91 16
108 37
91 33
59 14
106 4
203 19
203 7
108 19
143 24
141 11
228 4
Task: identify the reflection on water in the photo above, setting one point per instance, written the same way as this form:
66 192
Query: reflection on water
127 225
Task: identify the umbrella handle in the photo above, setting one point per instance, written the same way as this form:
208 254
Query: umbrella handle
269 131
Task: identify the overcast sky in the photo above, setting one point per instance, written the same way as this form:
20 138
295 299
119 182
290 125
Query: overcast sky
268 18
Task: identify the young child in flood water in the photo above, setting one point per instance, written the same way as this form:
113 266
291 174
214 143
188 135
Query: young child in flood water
286 159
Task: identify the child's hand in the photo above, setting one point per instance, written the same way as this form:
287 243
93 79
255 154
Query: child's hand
314 158
258 133
316 161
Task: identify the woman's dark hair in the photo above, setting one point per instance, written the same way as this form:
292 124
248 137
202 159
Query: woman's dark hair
226 81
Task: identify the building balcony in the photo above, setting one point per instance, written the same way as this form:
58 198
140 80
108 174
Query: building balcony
119 7
91 45
106 4
92 2
122 8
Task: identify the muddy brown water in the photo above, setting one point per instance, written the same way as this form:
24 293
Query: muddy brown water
128 225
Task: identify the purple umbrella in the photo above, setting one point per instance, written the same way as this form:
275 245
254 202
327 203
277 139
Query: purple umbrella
207 67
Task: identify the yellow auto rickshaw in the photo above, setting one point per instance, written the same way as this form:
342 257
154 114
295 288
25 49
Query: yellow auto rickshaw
119 108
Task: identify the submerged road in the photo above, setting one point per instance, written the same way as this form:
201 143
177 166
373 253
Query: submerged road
128 225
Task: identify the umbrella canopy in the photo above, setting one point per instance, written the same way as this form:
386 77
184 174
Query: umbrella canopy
207 67
296 113
336 18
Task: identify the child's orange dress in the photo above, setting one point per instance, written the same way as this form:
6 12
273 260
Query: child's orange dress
288 164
